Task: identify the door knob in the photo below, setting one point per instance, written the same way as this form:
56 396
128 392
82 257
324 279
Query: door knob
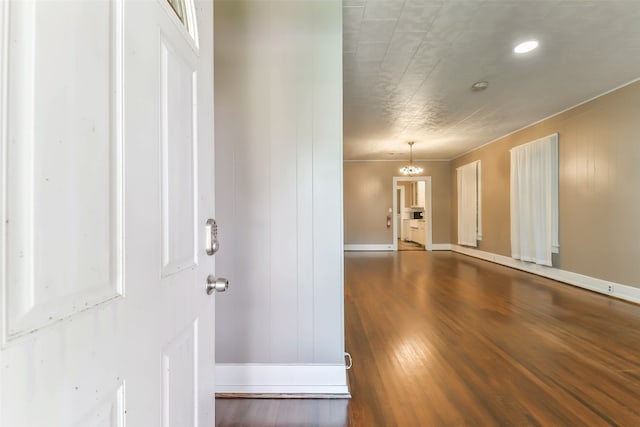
216 284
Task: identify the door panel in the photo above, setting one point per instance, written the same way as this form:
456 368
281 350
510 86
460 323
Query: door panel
64 231
180 379
106 183
61 241
179 157
110 412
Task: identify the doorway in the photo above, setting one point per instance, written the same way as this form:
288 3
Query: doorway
412 213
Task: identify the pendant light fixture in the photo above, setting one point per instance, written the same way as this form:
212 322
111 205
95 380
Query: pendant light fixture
410 169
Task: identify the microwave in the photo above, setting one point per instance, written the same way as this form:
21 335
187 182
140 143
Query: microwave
417 215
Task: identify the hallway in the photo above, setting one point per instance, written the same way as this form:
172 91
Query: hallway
442 339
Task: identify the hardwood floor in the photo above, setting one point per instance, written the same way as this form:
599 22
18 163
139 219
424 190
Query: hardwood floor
409 246
282 412
442 339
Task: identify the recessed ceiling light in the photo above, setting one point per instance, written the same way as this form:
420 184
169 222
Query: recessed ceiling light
478 86
525 47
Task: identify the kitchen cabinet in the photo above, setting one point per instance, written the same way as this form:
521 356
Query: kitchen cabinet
421 237
416 231
406 230
414 235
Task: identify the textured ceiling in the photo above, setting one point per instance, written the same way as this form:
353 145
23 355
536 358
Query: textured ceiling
409 66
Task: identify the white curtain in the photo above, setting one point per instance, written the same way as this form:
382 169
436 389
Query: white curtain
534 200
469 231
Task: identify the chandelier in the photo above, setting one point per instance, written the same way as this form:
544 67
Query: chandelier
410 169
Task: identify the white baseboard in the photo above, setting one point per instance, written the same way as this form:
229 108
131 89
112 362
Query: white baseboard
618 290
281 379
441 247
376 247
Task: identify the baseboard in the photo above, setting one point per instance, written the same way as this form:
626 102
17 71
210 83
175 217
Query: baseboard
388 247
618 290
280 396
441 247
376 247
282 380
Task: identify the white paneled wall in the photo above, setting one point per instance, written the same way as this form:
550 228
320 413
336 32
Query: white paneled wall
278 101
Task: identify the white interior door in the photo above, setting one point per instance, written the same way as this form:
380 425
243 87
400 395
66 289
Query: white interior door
106 182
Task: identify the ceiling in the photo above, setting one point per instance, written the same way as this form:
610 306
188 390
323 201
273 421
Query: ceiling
409 66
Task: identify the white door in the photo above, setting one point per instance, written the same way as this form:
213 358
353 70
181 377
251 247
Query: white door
106 183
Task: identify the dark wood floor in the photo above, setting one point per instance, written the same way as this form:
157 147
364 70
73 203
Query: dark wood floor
442 339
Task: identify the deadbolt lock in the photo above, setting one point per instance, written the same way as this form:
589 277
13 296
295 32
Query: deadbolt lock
211 237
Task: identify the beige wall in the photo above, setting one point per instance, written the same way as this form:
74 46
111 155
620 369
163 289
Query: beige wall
599 165
368 195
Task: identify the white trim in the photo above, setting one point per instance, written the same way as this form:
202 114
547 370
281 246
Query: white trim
546 118
281 379
398 213
376 247
441 247
479 185
4 102
618 290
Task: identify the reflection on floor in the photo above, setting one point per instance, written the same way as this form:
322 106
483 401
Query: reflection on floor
283 412
409 246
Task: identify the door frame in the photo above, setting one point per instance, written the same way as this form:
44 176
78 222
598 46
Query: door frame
400 190
428 208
